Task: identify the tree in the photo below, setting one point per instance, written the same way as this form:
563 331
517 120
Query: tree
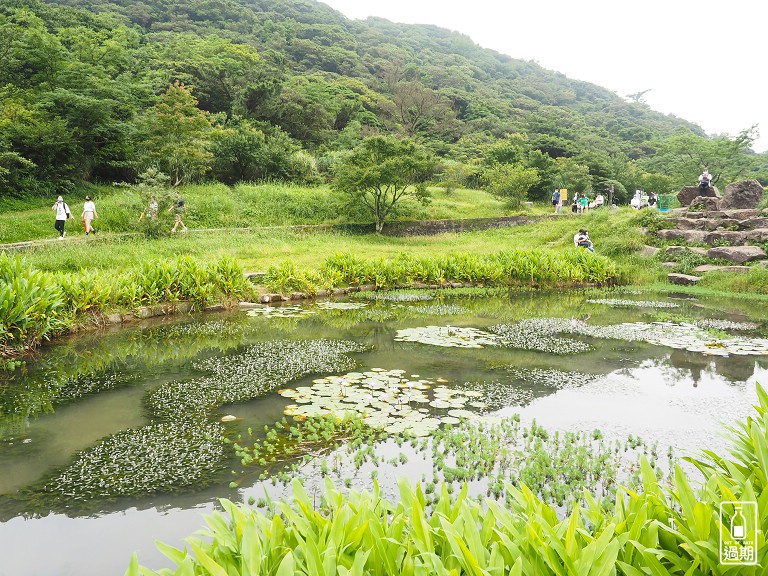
173 136
383 170
511 182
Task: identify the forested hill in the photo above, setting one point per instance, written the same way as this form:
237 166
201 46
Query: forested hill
83 83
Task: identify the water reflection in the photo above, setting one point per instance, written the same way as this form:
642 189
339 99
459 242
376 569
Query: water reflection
85 388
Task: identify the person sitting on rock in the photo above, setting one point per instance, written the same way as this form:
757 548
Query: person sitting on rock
705 179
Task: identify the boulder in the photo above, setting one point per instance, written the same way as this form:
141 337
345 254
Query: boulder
743 194
757 235
215 308
648 251
248 305
743 213
732 237
714 268
114 318
298 296
721 223
677 250
683 279
737 254
704 203
694 235
688 193
671 234
691 223
752 223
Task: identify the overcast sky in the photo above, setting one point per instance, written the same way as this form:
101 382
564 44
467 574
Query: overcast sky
702 60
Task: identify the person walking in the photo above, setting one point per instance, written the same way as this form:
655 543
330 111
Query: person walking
62 215
89 215
557 200
151 211
705 180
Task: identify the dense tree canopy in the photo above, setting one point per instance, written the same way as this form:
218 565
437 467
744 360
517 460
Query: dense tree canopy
281 88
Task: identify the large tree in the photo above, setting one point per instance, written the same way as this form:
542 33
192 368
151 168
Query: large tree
381 171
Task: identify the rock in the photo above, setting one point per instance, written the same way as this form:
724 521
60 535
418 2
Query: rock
691 223
742 213
732 237
339 291
688 193
683 279
114 318
757 235
669 264
351 289
670 234
215 308
752 223
367 288
704 203
248 305
677 250
456 285
298 296
254 277
714 268
694 235
648 251
720 223
264 298
737 254
229 418
321 293
743 194
144 312
184 307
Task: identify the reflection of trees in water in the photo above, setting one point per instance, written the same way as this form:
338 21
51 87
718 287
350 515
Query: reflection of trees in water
732 368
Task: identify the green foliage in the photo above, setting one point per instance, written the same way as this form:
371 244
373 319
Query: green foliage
381 171
666 531
511 182
31 304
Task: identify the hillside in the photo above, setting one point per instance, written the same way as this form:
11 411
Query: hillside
300 83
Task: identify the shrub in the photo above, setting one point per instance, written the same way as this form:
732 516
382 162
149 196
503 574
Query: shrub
31 306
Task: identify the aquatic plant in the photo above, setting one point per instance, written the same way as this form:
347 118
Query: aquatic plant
448 336
549 378
88 384
440 310
623 303
718 324
540 334
261 368
162 457
663 530
285 311
31 306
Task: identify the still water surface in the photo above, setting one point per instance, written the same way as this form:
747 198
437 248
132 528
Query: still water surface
82 390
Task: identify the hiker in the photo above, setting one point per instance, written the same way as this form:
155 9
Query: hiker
575 205
705 179
583 203
89 215
556 200
652 200
581 240
151 210
177 222
179 206
599 201
62 215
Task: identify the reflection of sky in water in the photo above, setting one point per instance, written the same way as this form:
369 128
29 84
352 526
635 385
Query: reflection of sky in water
676 397
681 406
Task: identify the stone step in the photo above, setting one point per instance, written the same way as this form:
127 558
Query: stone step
677 250
737 254
683 279
714 268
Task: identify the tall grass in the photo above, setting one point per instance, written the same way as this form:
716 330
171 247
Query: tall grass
663 531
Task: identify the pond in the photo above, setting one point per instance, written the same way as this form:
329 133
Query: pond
113 439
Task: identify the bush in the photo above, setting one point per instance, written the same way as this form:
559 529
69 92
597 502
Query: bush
31 306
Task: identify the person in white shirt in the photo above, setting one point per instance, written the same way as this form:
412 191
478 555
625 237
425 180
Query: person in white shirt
89 215
581 239
599 201
705 180
62 215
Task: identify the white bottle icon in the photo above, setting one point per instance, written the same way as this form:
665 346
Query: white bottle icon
738 525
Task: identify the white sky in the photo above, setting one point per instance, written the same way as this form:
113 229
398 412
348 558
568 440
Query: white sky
703 60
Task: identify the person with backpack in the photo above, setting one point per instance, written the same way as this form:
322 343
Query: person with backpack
62 215
556 200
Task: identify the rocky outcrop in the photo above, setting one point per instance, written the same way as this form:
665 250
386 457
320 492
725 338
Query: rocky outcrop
737 254
730 237
683 279
705 203
688 193
743 194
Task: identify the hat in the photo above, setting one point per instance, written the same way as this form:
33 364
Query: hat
87 197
